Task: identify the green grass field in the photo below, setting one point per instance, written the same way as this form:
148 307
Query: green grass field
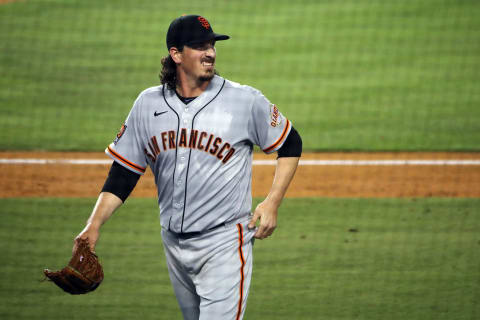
351 75
328 259
369 75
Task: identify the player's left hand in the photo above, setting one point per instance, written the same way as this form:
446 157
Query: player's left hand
267 214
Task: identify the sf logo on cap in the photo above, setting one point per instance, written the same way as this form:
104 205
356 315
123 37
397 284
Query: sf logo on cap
204 22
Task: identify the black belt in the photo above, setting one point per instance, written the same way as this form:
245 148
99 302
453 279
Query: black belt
187 235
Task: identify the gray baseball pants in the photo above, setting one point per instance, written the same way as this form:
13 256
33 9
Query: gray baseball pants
211 271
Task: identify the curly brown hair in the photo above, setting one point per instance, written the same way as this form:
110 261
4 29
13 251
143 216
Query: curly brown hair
168 75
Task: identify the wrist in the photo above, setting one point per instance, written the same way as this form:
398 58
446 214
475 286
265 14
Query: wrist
273 202
93 225
275 198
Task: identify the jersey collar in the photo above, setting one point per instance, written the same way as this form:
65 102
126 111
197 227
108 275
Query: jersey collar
213 89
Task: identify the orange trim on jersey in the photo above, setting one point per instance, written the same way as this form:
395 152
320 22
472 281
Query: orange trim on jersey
280 140
242 275
125 161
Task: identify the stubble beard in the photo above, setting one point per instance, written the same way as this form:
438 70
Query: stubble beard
208 76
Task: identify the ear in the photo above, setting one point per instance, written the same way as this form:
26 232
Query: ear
175 54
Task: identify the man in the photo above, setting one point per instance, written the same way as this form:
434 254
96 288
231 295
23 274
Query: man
196 132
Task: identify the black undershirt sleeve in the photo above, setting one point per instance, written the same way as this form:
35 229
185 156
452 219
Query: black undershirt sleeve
292 147
120 181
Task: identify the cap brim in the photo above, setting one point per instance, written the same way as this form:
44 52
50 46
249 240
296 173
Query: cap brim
212 36
221 37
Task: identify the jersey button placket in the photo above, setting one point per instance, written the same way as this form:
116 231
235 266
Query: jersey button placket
186 118
179 190
180 177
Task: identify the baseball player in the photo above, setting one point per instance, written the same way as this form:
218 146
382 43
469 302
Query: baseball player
196 132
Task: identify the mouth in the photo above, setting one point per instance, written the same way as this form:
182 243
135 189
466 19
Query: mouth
208 64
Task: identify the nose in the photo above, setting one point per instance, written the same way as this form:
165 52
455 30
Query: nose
211 52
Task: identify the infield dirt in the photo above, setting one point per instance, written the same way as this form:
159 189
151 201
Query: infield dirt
350 181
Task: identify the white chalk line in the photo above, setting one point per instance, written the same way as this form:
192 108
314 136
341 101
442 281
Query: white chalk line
399 162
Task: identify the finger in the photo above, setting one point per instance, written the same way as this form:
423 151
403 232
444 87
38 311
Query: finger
253 221
269 232
266 230
261 232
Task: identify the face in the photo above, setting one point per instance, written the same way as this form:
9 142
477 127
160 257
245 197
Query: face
198 61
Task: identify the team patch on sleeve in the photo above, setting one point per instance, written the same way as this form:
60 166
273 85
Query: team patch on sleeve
281 139
120 133
275 118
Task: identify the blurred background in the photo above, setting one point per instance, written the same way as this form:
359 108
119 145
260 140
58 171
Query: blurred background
353 76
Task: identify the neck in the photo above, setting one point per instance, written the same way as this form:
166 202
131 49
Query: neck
188 87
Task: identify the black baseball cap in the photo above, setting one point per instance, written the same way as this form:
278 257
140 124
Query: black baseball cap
191 29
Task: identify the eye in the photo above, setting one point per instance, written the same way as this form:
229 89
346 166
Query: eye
203 46
198 46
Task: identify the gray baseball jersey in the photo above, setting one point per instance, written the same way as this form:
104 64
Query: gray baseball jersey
200 153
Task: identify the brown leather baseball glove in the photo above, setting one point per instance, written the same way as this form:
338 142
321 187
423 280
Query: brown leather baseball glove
82 274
